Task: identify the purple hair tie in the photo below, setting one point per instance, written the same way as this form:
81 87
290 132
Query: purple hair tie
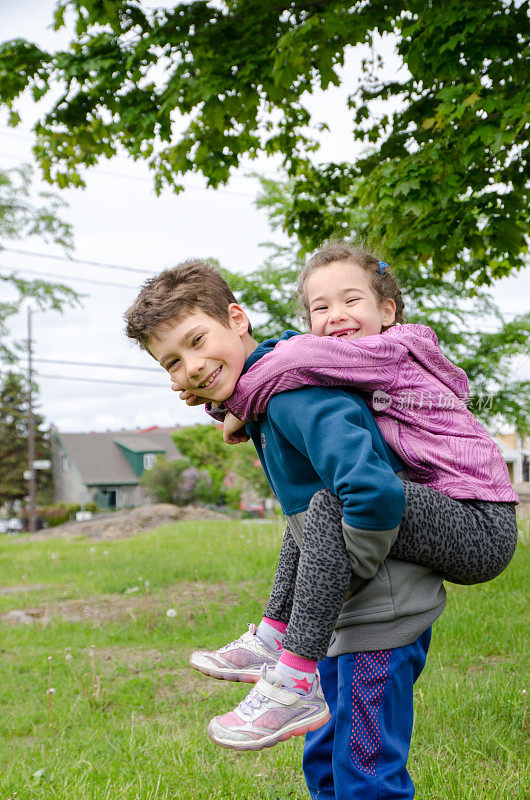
382 267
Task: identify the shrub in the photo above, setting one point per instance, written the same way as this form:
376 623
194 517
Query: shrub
51 515
177 482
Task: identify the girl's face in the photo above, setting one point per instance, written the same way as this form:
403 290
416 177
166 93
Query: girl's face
342 304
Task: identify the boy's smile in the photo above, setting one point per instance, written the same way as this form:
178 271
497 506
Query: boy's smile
202 355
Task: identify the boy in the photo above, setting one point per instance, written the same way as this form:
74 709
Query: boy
189 321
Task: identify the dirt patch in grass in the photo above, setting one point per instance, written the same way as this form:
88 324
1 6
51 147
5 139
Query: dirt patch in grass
185 599
136 657
24 588
189 684
139 660
124 524
484 662
169 670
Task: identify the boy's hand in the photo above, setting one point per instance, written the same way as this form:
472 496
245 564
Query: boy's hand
234 430
191 399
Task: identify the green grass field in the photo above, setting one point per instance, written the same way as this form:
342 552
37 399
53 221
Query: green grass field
142 737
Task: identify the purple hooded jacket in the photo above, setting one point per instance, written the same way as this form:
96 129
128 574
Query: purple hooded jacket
417 396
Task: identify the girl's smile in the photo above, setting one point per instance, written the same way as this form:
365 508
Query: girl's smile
342 303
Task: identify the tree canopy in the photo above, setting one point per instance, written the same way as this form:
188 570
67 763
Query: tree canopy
446 179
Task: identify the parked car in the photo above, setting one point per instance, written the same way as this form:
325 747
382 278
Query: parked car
14 525
253 509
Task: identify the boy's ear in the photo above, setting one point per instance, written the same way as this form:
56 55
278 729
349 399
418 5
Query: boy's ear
238 319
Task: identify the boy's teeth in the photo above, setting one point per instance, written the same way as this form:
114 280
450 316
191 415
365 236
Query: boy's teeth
209 381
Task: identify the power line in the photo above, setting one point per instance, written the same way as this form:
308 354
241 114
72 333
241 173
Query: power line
100 380
94 364
67 277
73 260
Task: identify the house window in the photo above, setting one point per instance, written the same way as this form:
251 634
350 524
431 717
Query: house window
526 468
66 464
149 460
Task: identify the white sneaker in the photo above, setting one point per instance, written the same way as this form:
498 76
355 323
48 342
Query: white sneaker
240 660
270 714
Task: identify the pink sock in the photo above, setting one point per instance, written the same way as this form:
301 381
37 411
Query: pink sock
271 633
297 672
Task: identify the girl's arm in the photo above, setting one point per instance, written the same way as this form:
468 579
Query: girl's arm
369 363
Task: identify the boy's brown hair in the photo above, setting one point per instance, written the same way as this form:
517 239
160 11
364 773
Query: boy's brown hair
174 293
382 282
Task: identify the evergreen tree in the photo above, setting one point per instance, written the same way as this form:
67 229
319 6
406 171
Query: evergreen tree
14 433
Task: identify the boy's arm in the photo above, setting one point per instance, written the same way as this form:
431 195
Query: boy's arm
372 362
332 433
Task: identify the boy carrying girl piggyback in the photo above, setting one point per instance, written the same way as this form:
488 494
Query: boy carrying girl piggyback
380 506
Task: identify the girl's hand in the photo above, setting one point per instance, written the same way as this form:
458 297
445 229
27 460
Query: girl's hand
234 430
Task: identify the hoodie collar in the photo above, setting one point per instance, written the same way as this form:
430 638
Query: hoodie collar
266 347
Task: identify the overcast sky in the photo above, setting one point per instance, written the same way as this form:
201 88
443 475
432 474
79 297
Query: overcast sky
118 220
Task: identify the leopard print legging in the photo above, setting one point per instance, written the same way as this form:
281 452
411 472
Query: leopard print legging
468 541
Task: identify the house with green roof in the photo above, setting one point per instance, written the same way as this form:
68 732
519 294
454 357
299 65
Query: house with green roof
106 467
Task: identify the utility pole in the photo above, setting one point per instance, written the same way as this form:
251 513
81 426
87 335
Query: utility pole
31 432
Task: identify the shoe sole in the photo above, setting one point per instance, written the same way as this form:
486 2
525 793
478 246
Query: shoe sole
226 675
275 738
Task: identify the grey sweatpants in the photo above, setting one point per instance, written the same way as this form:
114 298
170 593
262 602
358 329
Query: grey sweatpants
468 541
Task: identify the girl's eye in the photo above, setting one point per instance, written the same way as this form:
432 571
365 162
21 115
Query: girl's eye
197 339
319 308
352 300
172 364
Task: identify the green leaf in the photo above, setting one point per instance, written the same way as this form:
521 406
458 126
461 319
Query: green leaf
471 100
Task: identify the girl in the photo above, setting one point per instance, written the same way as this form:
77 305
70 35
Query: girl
460 513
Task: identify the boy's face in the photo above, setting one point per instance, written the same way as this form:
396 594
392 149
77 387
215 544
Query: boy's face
202 355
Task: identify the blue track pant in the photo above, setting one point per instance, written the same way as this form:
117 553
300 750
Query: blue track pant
362 752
